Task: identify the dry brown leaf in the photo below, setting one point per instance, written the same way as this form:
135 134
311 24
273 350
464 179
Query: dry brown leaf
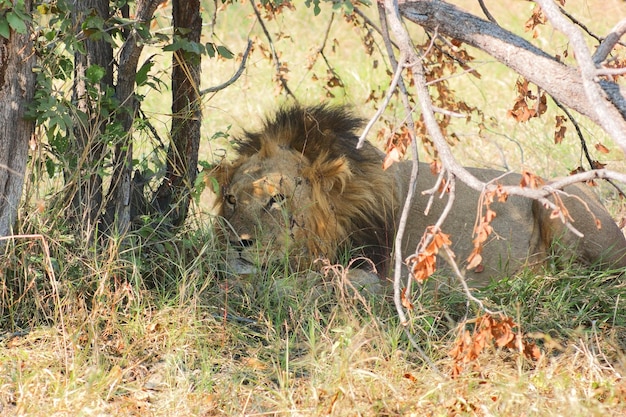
424 264
597 165
601 148
531 180
559 129
392 156
475 258
489 332
406 303
577 170
435 167
410 377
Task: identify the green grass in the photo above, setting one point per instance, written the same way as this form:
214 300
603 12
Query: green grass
158 327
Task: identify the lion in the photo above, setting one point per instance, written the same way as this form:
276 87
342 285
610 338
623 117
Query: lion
299 190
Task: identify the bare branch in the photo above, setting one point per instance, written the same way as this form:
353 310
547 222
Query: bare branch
391 17
450 113
235 77
390 10
611 71
608 117
516 53
607 45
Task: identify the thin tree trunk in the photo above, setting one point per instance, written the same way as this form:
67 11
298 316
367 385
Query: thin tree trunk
173 196
121 207
17 85
88 153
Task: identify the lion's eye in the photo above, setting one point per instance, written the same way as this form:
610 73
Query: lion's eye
276 200
230 199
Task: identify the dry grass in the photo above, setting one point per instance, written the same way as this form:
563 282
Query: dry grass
296 345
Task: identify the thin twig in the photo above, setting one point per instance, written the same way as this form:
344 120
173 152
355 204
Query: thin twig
579 24
320 51
437 226
381 31
235 77
457 271
483 7
275 57
390 91
581 137
583 144
432 191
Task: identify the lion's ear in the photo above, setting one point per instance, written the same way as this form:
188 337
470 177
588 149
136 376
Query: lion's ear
329 174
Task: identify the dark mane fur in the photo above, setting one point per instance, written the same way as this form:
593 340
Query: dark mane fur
312 131
365 203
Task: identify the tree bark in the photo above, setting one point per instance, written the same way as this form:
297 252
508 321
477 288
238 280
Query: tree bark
17 86
88 150
561 81
173 196
120 205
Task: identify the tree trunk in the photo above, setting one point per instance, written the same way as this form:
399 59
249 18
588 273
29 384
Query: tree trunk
173 196
84 175
121 207
17 86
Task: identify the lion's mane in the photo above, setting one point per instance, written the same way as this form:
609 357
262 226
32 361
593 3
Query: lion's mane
354 200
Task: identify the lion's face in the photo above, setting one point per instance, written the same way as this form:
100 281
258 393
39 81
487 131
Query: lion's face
264 206
300 190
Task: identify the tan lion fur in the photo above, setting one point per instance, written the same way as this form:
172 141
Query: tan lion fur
300 189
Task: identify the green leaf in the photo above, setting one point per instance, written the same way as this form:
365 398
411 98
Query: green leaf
143 31
93 22
4 28
220 134
224 52
16 22
95 73
210 49
59 143
199 186
142 75
50 35
205 165
174 46
194 47
316 6
66 66
50 167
